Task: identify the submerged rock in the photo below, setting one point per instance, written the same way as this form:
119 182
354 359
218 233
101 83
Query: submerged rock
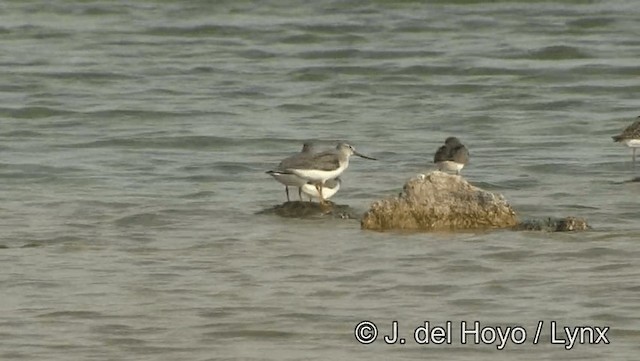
440 201
299 209
566 224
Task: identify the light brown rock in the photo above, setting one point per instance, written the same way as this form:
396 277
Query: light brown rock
439 201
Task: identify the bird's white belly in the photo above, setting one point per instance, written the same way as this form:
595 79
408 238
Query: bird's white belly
448 165
289 179
310 190
635 143
317 175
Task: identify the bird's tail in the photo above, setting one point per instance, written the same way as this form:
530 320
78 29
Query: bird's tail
617 138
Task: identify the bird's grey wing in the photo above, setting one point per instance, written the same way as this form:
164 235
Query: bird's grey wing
632 131
441 155
291 161
461 154
287 162
320 161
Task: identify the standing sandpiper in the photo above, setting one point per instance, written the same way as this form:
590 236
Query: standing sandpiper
452 156
630 137
320 167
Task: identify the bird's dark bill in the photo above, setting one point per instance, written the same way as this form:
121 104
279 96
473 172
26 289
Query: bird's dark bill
363 156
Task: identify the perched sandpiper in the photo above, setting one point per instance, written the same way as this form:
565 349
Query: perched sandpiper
320 167
452 156
630 137
289 179
331 187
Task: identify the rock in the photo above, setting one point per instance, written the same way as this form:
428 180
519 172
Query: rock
298 209
440 201
566 224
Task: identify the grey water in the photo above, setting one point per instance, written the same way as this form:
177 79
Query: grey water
134 137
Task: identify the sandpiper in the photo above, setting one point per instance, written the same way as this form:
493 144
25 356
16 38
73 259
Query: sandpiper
289 179
331 187
320 167
630 137
452 156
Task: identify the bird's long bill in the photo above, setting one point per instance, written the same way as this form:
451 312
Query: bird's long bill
363 156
